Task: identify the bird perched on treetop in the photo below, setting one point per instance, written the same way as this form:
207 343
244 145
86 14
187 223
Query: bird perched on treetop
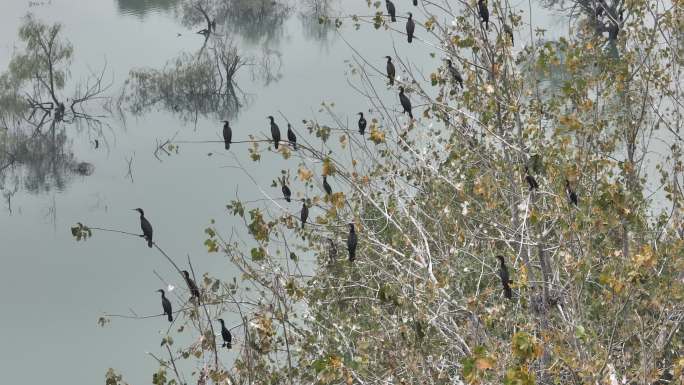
145 226
304 214
362 124
391 71
225 333
166 305
455 74
484 12
572 196
194 291
326 185
410 27
405 102
505 279
227 134
352 240
391 10
530 180
275 132
291 137
286 191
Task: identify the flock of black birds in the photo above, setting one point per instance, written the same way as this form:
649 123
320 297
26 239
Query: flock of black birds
352 238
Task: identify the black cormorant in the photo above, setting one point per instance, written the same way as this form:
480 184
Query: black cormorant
352 240
291 137
362 124
194 291
415 3
227 337
326 185
166 305
391 71
484 12
410 27
391 10
275 132
505 279
572 196
304 215
530 180
286 192
405 102
227 134
145 226
455 73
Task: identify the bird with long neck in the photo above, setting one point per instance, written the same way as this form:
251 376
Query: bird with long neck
391 10
362 123
291 137
484 12
145 226
275 132
405 102
455 73
227 134
326 186
505 279
410 27
352 241
304 214
225 334
286 191
194 290
166 305
391 71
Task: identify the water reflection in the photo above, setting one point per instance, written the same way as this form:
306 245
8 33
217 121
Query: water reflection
316 19
142 8
191 86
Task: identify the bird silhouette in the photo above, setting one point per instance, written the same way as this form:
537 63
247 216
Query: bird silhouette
166 305
286 191
505 279
415 3
227 134
391 71
194 291
291 137
391 10
275 132
326 185
145 226
352 240
484 12
225 334
304 214
362 124
410 27
530 180
455 73
405 102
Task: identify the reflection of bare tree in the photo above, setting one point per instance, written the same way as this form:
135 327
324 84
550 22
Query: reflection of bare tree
140 8
315 16
191 85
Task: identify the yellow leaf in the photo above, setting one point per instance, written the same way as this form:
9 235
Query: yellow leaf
484 363
304 174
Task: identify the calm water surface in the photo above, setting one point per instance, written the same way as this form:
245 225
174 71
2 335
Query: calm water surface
53 289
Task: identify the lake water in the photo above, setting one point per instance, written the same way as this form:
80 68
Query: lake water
54 289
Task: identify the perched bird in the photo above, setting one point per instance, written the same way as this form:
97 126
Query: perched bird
405 102
505 279
530 180
391 10
227 134
291 137
509 31
362 124
352 240
391 71
166 305
572 196
415 3
275 132
332 250
410 27
304 215
225 333
326 185
455 73
484 12
194 291
286 192
145 226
